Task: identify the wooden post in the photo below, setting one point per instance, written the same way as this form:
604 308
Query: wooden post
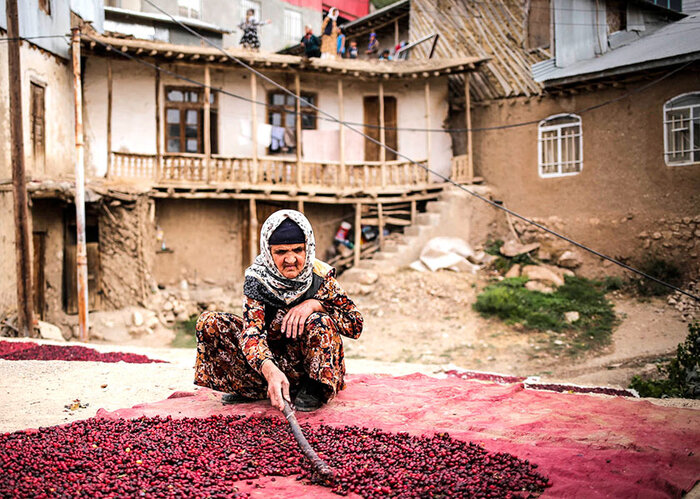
207 122
254 126
358 234
300 205
25 301
380 222
468 119
109 117
81 247
253 229
427 122
382 134
396 32
297 92
341 117
414 211
159 130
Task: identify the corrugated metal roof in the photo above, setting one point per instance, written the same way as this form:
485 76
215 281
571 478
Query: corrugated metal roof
677 42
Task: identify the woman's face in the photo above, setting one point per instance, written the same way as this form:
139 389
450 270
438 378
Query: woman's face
289 258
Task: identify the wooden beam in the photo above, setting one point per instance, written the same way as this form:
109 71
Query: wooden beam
341 117
382 134
254 124
396 32
109 116
300 205
380 220
358 234
253 229
468 119
159 128
427 121
297 92
414 211
207 122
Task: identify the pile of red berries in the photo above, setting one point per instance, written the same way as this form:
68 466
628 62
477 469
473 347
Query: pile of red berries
10 350
156 457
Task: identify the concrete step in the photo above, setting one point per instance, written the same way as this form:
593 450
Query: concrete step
414 230
429 219
436 206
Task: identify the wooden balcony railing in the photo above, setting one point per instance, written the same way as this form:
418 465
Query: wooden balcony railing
266 172
461 170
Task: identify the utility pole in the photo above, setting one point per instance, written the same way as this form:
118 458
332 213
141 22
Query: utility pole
81 249
25 303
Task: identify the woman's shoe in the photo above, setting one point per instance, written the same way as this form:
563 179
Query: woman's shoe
310 396
232 398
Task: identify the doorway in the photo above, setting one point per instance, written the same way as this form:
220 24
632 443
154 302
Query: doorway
371 115
39 274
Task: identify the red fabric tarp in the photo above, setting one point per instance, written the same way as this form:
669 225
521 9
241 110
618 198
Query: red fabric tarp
588 445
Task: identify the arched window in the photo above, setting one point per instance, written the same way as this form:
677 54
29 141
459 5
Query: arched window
682 129
560 146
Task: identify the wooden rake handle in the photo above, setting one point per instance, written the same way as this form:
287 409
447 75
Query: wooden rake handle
317 463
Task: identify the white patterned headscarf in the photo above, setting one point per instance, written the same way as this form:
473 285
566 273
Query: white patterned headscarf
264 269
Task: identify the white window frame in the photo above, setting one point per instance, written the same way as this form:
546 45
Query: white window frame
190 5
289 37
544 127
694 114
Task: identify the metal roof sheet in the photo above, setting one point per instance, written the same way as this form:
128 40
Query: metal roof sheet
674 43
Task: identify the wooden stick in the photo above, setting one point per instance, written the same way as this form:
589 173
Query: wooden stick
317 463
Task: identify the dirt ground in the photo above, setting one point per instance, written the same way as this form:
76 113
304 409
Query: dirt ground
415 322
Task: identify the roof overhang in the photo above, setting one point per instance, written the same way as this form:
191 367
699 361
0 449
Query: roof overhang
378 18
104 45
115 13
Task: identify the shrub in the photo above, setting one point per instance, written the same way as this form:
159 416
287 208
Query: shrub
511 302
681 374
661 269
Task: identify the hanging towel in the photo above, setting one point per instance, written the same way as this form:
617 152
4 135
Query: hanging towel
246 135
276 138
290 138
264 135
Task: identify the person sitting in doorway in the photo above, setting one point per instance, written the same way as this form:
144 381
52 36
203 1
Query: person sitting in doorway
288 342
311 43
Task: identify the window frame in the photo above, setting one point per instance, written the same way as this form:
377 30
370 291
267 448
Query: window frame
543 127
38 148
185 106
290 38
189 9
693 107
284 108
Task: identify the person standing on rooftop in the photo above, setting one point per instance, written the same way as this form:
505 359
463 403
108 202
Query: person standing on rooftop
329 34
250 39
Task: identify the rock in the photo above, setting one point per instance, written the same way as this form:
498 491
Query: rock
514 248
513 272
560 271
572 316
418 266
464 265
538 286
569 260
542 274
182 316
544 255
184 286
168 306
368 277
478 257
136 318
363 289
656 235
50 332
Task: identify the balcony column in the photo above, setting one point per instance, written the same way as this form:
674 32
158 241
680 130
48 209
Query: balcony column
358 234
382 134
468 119
427 125
159 127
297 92
380 223
253 229
109 116
207 122
254 125
341 116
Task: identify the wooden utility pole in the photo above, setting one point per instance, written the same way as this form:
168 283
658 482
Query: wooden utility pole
81 247
25 312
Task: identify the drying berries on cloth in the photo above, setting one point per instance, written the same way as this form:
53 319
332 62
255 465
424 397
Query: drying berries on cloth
219 456
32 351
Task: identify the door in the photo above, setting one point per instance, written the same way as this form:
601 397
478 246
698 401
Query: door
371 117
70 267
39 274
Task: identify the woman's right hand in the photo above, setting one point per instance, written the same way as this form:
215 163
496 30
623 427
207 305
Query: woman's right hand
277 384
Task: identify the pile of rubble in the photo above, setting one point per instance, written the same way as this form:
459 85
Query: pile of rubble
687 306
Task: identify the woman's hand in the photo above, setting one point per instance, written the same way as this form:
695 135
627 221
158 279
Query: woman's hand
277 384
295 320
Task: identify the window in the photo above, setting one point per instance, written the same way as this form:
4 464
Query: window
281 110
251 4
184 120
37 123
682 130
45 6
292 26
560 148
113 3
189 8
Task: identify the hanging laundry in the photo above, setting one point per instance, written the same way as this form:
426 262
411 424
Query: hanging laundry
264 135
290 139
246 135
276 138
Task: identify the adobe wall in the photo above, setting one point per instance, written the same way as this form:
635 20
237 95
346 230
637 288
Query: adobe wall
625 202
8 268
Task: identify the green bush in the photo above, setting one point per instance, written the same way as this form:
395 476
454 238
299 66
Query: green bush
511 302
681 375
503 264
661 269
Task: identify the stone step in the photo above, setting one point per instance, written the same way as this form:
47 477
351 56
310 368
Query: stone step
436 206
429 219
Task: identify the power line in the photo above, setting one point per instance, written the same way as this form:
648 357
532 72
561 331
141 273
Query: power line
439 175
22 38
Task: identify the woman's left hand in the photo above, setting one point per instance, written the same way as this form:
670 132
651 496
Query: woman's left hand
295 320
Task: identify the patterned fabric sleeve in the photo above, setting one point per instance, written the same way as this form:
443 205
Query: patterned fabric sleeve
340 307
253 340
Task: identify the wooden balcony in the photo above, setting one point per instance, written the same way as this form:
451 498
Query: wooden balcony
270 174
